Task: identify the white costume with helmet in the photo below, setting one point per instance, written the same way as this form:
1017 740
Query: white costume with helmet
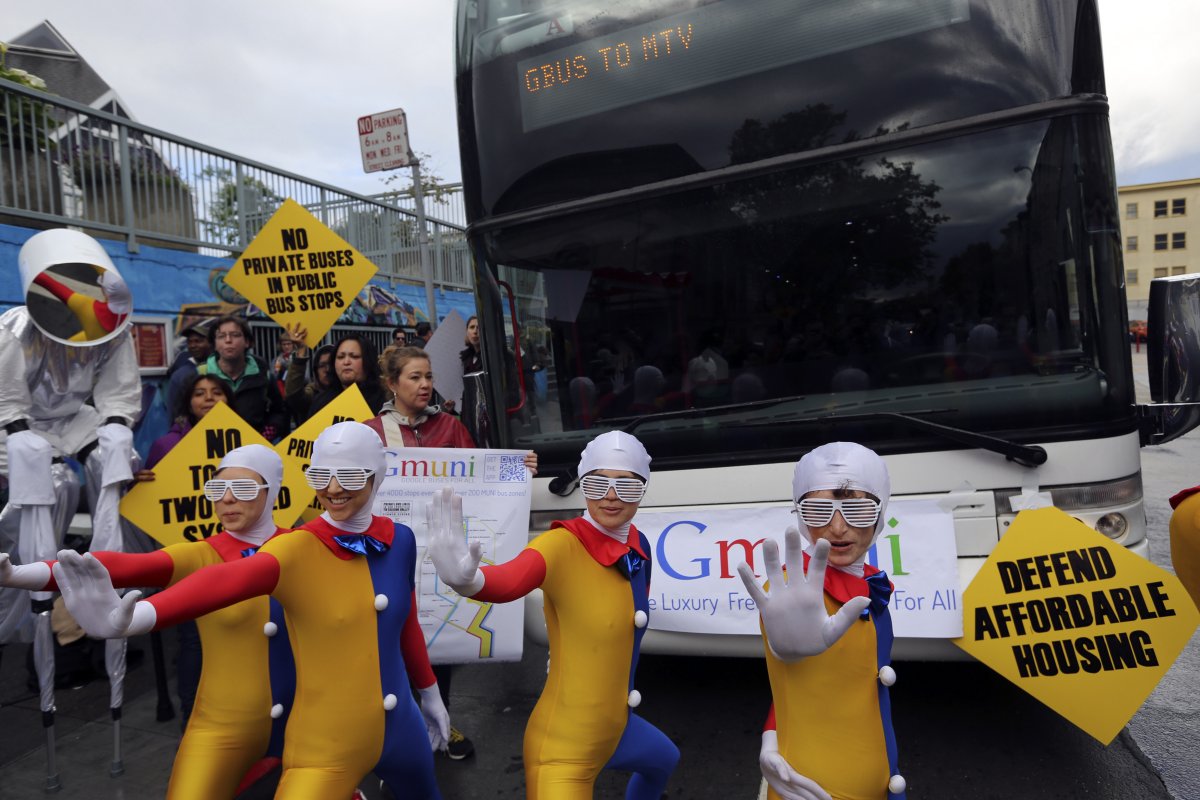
57 398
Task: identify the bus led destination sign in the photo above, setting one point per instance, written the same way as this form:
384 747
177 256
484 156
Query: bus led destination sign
716 42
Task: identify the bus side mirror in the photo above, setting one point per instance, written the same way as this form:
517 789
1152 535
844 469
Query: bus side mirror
1173 358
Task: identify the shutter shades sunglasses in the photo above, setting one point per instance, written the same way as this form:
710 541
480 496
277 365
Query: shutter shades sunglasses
349 478
629 490
859 512
243 488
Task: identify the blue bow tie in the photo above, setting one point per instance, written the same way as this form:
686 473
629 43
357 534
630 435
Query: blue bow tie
630 564
360 543
879 589
249 551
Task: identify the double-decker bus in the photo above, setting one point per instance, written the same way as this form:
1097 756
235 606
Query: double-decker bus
743 228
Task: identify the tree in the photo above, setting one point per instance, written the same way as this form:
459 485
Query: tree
253 200
24 122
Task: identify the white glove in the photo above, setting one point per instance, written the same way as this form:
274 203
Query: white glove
116 453
29 460
437 718
91 599
25 576
787 783
793 612
456 561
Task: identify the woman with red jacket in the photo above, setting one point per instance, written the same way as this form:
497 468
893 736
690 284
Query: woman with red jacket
408 420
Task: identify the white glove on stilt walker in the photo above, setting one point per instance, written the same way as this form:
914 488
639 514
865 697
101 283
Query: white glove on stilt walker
785 781
793 612
90 597
456 561
437 718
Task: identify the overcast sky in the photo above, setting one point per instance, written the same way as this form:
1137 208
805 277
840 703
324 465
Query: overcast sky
284 82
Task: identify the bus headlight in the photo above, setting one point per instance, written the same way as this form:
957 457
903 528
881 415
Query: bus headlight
1113 525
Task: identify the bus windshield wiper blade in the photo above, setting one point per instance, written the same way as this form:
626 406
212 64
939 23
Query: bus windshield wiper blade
564 484
1023 454
1027 455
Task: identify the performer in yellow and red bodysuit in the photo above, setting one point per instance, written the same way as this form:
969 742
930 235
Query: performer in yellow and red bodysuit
828 637
247 659
1185 539
346 584
595 574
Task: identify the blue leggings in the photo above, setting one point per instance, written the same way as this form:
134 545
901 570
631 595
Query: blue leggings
645 751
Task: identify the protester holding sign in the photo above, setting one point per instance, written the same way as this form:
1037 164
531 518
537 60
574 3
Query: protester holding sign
198 396
829 731
408 420
346 583
595 574
244 671
354 362
256 396
318 372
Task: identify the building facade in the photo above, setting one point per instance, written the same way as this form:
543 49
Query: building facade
1160 235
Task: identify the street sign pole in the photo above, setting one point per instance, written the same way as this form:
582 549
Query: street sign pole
423 242
383 139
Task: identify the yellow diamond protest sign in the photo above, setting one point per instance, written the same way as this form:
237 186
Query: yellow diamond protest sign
172 508
299 271
296 449
1077 621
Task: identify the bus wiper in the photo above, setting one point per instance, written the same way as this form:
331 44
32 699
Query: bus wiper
563 485
1025 455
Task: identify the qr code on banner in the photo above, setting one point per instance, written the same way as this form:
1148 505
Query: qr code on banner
504 469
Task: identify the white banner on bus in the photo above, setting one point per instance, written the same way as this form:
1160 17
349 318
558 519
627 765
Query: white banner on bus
494 486
695 587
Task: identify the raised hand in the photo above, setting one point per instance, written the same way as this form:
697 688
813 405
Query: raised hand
298 334
787 783
456 562
793 609
437 718
90 597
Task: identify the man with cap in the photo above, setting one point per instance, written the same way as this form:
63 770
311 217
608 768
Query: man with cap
70 387
198 349
346 584
595 574
247 659
828 636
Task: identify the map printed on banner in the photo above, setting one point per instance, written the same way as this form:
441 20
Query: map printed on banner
696 551
495 488
172 508
1077 621
296 449
299 271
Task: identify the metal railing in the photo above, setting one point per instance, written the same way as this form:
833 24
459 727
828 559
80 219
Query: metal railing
64 163
443 203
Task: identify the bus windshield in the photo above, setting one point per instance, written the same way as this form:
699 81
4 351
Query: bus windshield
972 277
